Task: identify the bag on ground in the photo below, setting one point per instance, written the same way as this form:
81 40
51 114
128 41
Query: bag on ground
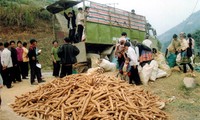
145 73
161 73
154 64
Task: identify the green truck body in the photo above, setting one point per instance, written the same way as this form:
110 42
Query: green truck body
105 24
105 34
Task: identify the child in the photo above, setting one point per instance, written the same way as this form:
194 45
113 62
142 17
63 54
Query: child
124 70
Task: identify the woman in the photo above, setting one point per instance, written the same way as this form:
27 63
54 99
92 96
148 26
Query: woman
191 43
55 58
172 49
185 59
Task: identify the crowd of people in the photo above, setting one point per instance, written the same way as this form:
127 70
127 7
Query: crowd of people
15 59
181 52
131 55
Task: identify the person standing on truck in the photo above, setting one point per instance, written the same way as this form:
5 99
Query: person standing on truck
67 53
71 18
80 22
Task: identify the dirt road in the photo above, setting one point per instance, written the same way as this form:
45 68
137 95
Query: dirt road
8 97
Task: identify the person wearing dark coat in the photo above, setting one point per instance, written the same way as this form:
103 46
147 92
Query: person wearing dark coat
15 70
35 71
67 53
71 18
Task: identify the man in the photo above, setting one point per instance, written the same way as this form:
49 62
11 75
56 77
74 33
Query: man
15 71
80 22
25 60
147 42
133 63
67 53
6 62
71 18
55 58
33 61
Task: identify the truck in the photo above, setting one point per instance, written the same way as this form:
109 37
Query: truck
103 27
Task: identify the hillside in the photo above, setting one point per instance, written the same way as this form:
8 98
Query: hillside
23 20
190 25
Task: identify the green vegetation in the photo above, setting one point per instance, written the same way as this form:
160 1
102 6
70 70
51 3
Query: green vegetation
22 13
185 103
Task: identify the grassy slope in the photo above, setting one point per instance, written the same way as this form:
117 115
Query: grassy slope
186 106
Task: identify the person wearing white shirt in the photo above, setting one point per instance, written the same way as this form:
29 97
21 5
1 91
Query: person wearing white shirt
80 22
147 42
6 62
135 47
133 63
1 79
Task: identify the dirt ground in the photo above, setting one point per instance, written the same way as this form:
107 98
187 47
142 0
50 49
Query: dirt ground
185 106
8 97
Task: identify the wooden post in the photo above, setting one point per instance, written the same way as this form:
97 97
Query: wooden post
53 21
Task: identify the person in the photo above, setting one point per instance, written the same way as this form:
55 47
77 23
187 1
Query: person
86 12
25 61
191 43
1 79
1 86
20 58
133 63
119 52
145 54
136 48
55 58
71 18
80 22
125 69
123 37
185 59
67 53
147 42
172 49
15 71
6 62
33 61
1 67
